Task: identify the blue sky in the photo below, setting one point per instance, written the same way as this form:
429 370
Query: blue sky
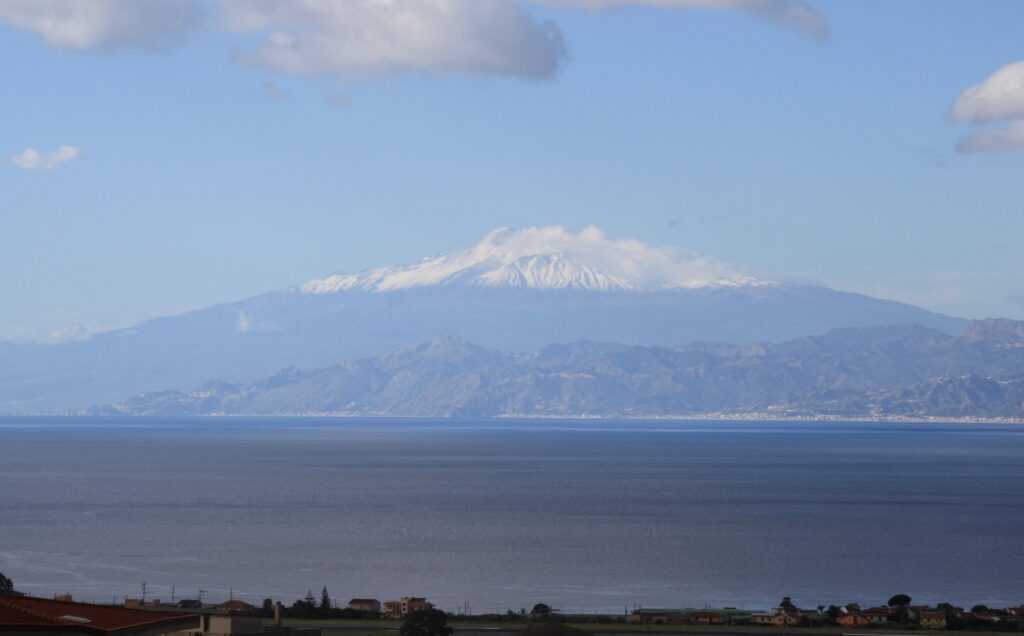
215 150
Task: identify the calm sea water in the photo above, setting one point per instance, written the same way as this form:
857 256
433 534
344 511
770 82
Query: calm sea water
501 515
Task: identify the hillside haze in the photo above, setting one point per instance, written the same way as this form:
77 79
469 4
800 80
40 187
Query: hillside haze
515 291
908 370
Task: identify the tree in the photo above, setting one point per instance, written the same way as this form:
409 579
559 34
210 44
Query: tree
431 622
786 602
978 609
899 600
304 608
954 618
541 609
6 585
325 599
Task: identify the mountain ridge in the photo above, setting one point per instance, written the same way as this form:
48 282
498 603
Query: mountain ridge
673 296
901 371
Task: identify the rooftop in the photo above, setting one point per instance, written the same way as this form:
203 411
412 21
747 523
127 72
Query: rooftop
42 614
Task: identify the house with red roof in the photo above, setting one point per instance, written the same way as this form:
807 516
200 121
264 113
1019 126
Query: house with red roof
852 619
23 615
932 619
365 605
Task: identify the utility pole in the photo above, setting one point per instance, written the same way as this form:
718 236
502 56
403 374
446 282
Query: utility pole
143 592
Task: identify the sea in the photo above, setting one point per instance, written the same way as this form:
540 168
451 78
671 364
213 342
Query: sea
496 515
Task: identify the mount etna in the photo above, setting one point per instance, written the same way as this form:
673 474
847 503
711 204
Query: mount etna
517 291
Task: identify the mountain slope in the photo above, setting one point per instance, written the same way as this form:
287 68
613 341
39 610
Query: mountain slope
879 371
515 291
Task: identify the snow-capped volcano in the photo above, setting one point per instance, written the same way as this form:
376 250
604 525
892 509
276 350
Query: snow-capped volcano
549 258
515 291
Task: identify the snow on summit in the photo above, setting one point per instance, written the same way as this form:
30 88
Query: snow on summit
551 257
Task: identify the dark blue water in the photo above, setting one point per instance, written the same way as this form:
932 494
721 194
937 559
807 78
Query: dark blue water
579 514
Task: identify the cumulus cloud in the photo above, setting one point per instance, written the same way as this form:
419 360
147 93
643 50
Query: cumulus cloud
32 159
357 37
103 24
1000 139
1000 98
796 13
375 37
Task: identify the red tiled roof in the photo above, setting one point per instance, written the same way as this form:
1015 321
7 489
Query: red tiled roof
15 616
40 612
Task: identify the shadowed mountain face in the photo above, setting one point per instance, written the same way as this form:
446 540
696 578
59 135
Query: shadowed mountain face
515 291
878 371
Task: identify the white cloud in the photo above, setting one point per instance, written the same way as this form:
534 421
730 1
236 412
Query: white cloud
380 37
103 24
32 159
1001 139
357 37
486 37
797 13
1000 98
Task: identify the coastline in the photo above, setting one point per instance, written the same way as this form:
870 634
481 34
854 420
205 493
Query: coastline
695 417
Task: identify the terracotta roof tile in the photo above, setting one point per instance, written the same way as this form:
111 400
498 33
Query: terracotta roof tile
27 610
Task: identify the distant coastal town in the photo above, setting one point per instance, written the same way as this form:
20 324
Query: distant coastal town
416 616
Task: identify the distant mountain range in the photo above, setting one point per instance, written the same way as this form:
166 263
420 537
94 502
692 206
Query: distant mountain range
906 371
514 291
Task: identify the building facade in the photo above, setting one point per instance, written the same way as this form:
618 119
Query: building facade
405 606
